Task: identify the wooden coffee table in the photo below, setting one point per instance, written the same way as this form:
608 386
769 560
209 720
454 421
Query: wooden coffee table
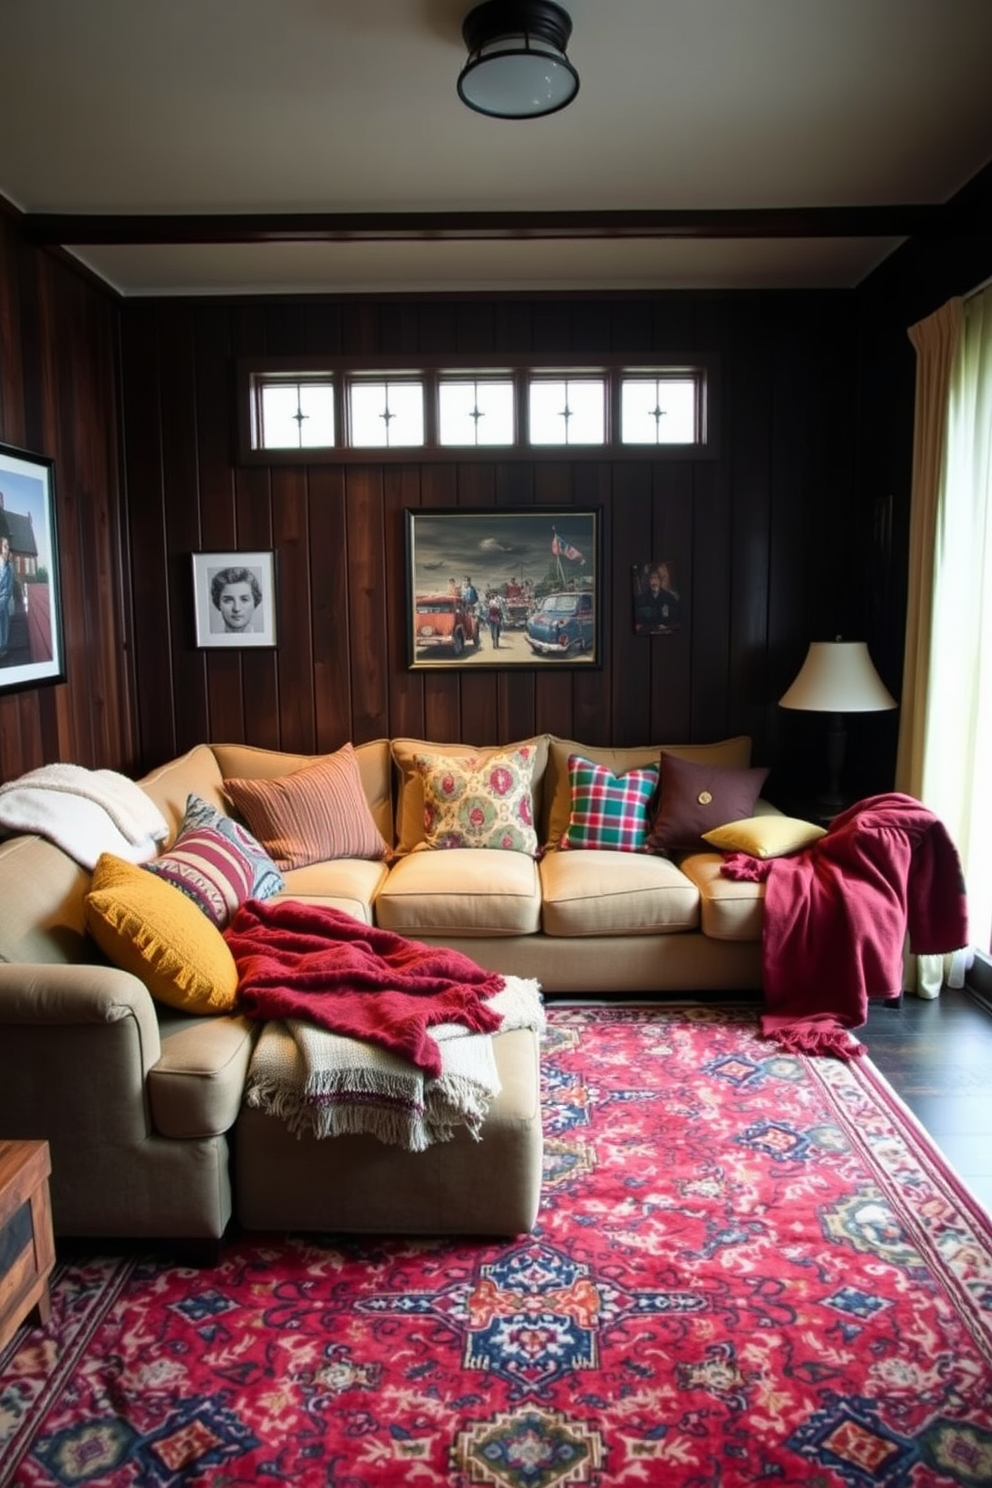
27 1250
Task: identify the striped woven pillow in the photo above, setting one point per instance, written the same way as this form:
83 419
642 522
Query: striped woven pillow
313 815
609 811
217 863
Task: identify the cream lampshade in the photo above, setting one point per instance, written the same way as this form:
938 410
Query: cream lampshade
837 677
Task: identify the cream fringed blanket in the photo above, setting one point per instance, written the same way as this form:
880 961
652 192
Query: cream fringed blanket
327 1085
84 812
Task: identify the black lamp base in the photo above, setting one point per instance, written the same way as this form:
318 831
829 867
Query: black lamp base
831 801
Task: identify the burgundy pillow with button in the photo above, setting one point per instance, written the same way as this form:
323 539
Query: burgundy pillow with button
693 799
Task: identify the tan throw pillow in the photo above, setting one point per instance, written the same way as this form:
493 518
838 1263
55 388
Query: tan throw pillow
147 927
472 802
765 836
313 815
695 798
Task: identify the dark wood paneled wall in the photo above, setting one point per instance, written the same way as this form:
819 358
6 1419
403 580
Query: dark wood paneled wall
764 534
59 389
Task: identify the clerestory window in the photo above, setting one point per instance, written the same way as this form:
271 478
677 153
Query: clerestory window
332 410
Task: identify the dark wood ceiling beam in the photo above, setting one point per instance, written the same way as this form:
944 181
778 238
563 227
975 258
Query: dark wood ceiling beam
49 229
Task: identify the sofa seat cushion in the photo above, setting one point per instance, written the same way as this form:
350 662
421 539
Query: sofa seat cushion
728 909
196 1086
599 892
349 884
461 892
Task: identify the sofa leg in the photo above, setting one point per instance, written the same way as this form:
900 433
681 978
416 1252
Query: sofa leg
200 1254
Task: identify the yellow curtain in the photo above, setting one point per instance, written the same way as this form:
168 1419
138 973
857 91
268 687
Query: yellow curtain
936 341
945 740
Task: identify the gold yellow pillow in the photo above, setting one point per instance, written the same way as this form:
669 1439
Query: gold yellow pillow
765 836
147 927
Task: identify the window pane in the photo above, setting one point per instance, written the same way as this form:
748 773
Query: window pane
387 413
656 410
567 412
317 410
476 412
280 427
297 415
406 405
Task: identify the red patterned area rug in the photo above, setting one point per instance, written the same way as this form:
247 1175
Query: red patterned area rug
749 1267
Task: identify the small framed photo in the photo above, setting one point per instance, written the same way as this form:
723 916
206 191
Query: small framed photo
31 636
234 599
503 588
658 597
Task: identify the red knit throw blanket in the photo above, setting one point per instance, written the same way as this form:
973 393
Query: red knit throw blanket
300 960
837 915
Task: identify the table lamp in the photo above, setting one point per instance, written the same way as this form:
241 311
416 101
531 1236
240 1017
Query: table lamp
837 677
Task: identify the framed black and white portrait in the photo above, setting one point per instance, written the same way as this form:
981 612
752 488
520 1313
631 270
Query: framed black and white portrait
234 599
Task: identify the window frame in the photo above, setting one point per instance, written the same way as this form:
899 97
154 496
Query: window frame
252 372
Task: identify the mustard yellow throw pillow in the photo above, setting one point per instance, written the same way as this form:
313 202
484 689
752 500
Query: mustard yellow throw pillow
765 836
147 927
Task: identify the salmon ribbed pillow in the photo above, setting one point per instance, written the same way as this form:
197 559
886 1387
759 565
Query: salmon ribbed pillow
313 815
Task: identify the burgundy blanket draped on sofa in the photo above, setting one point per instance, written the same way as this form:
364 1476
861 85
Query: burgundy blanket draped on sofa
838 913
298 960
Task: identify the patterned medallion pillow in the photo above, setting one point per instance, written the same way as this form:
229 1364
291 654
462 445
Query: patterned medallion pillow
765 836
145 926
608 811
217 863
479 802
696 798
313 815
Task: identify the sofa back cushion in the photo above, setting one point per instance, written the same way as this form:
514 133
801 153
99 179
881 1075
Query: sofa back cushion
410 833
734 753
195 773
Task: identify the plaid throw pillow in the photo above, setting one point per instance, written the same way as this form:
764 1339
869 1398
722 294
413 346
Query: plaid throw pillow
608 810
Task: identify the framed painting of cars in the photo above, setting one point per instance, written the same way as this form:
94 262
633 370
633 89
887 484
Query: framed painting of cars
503 587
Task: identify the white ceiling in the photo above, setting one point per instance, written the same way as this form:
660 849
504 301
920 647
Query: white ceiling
330 106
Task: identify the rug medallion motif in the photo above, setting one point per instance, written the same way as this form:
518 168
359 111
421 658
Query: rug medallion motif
748 1267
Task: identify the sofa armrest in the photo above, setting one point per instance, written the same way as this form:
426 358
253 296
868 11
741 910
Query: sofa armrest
76 1044
78 993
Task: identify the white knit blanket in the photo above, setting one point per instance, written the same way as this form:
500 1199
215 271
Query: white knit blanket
84 812
326 1085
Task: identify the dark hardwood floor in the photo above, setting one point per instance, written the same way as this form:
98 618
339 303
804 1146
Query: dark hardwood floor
938 1056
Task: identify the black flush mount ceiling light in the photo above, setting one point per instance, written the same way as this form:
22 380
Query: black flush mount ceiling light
517 67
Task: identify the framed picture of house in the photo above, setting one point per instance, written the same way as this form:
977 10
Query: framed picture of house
503 588
234 599
32 648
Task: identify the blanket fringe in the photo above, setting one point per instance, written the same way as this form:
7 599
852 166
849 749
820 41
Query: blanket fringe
399 1125
801 1038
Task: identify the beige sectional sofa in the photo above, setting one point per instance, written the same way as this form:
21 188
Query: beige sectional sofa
143 1105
